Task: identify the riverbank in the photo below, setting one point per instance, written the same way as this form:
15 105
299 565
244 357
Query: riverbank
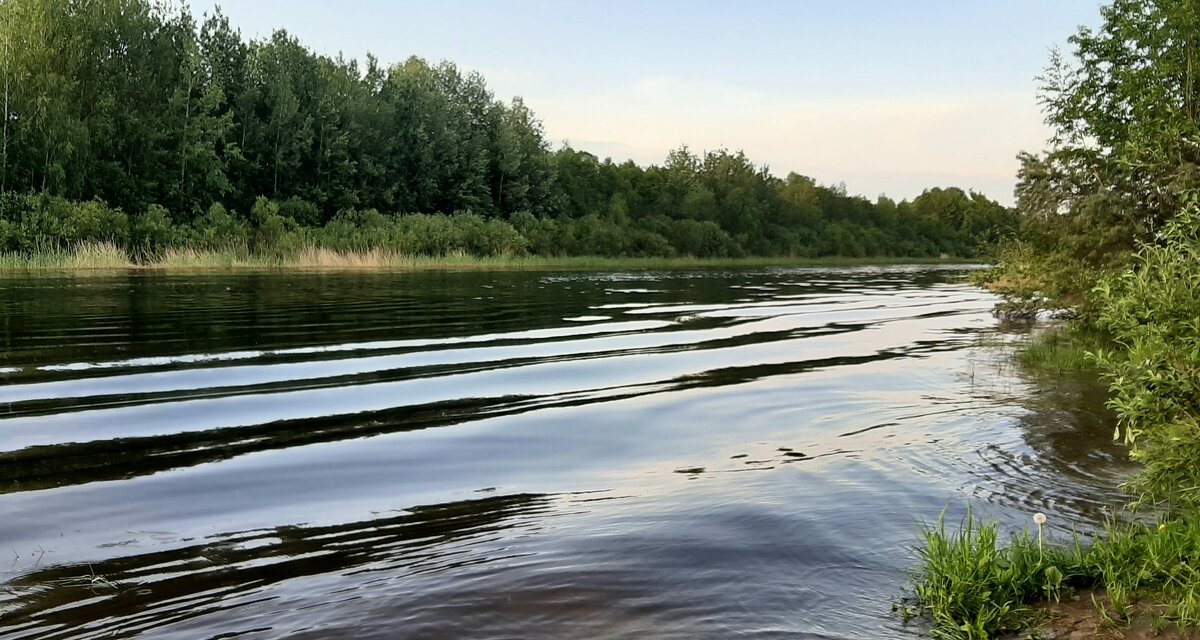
1079 618
94 258
1140 334
1129 578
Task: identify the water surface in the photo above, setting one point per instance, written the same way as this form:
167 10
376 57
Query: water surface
684 454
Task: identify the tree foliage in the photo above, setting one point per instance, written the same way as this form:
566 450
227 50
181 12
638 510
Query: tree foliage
1126 142
1123 156
137 104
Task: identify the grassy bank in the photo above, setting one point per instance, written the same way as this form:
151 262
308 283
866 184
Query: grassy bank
976 585
1142 336
87 256
104 256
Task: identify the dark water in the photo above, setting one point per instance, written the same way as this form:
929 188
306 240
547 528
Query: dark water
719 454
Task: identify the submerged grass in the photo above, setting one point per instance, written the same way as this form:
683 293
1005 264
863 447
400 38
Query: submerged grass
109 256
1062 349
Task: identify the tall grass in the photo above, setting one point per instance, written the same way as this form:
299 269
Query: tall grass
183 258
108 256
973 586
84 256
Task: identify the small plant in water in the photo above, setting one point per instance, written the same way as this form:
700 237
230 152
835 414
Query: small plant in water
99 581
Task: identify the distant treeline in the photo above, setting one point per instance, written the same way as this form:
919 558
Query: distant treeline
128 121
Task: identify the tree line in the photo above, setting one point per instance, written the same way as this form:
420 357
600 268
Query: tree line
166 121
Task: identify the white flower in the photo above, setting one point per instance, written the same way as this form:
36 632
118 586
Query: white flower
1039 518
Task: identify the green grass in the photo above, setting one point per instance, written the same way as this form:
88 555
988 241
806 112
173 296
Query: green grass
99 257
973 586
84 257
1063 349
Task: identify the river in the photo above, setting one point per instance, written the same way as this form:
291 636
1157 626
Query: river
701 454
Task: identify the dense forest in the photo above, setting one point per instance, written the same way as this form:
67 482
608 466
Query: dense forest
132 122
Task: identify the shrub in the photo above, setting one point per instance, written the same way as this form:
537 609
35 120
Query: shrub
300 212
151 233
702 240
222 230
94 221
273 233
1153 311
491 237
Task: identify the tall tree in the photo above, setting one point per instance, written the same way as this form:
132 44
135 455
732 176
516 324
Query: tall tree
1126 141
524 180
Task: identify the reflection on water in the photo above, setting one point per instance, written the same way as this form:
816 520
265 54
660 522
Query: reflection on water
700 454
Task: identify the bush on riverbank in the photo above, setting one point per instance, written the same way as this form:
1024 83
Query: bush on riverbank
1110 236
1153 312
46 230
1032 279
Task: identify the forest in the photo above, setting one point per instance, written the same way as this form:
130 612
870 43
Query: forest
134 123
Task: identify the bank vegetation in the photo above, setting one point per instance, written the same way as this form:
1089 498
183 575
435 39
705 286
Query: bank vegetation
1110 239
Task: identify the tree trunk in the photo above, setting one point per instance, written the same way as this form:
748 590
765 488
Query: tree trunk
1190 87
187 115
5 114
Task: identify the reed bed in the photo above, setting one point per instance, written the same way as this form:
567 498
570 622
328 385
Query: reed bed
108 256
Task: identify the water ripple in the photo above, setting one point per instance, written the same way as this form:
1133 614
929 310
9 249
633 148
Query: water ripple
699 454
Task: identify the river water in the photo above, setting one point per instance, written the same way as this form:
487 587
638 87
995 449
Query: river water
679 454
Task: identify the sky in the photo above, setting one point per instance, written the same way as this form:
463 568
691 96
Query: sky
886 96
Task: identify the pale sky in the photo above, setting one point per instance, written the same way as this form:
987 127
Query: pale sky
888 96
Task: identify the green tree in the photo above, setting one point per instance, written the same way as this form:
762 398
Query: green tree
204 125
1124 114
